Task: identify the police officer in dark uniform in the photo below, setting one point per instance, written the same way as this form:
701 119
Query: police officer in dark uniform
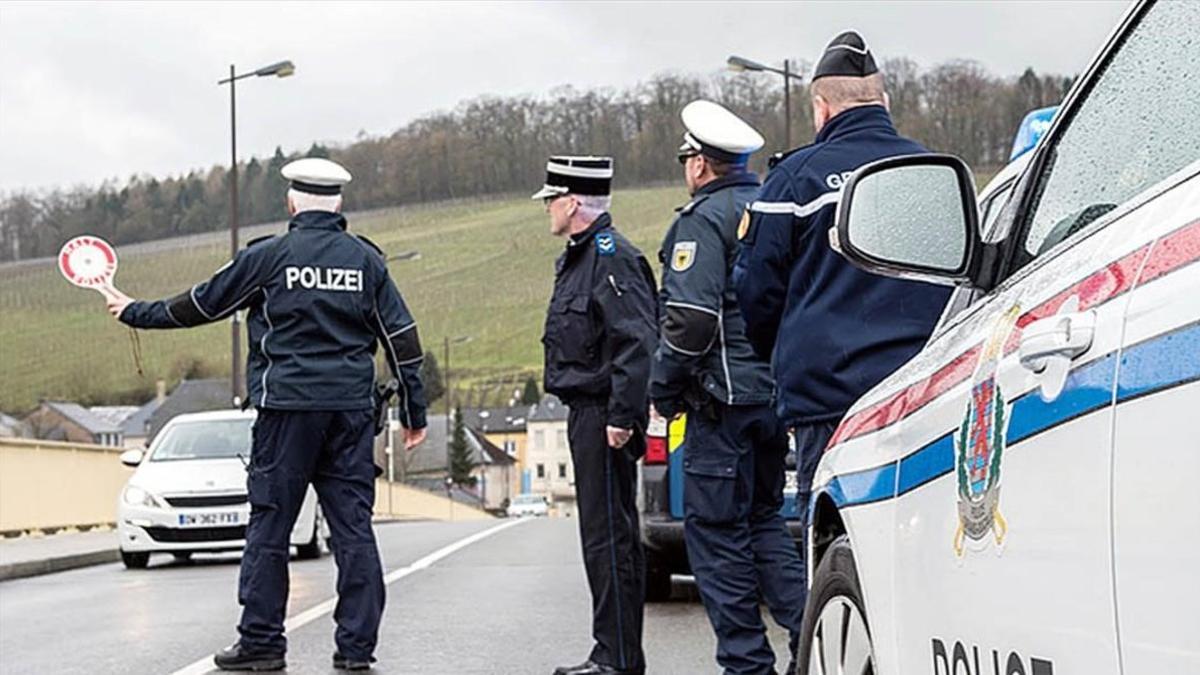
738 544
832 331
319 300
600 335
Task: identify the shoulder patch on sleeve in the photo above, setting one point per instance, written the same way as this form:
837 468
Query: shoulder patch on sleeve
259 240
372 245
683 255
606 243
744 224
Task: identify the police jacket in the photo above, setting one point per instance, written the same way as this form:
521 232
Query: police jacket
832 331
602 325
319 300
703 347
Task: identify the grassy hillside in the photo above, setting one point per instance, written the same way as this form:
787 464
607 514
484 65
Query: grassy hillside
485 270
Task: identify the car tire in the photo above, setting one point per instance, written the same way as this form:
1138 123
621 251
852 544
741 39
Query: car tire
135 560
313 549
836 637
658 579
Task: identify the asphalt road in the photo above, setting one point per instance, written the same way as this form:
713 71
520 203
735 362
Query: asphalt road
514 602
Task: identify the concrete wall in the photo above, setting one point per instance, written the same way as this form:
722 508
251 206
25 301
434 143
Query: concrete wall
46 484
410 502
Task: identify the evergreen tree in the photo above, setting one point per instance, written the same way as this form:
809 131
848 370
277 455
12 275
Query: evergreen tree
531 395
461 463
431 376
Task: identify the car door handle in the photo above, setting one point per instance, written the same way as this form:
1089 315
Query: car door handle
1060 337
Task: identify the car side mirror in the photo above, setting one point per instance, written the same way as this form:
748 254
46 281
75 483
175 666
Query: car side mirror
913 217
132 457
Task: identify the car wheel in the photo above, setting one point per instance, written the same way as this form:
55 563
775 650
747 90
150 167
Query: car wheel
837 638
135 560
313 549
658 579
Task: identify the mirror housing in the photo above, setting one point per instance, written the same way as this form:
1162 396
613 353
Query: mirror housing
132 457
914 217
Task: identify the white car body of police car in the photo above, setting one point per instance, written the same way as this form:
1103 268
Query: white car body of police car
1020 497
188 493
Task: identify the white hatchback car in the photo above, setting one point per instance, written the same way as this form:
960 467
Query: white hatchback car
188 494
528 505
1020 497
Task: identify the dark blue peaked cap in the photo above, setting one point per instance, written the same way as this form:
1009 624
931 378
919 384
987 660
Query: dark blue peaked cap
847 55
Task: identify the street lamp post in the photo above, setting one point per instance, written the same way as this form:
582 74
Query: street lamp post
739 64
281 69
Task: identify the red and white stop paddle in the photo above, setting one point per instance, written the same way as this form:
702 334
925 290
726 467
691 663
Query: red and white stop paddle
89 262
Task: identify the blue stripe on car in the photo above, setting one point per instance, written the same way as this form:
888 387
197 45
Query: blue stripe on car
1159 363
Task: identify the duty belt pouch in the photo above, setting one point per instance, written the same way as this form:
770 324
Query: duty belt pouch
383 396
699 400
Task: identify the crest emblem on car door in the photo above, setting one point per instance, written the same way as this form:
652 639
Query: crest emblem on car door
979 446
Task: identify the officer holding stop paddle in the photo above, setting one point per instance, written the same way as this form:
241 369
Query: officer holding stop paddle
319 300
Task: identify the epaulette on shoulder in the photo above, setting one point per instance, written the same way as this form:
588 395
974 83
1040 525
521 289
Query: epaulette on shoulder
372 245
778 157
258 240
688 207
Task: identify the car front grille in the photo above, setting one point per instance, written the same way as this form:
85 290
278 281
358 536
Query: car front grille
171 535
193 501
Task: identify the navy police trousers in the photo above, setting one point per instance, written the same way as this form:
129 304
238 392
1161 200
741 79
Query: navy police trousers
605 487
738 545
332 450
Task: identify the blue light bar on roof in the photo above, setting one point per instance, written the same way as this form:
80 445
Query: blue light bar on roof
1032 128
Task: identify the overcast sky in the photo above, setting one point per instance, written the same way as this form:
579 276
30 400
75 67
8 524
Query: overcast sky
105 90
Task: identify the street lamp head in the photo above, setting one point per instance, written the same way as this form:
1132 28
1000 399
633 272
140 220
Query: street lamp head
281 69
739 64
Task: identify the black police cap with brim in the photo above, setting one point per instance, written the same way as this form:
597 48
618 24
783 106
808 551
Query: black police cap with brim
847 56
577 175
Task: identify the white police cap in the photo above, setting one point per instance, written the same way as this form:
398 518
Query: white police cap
315 175
715 132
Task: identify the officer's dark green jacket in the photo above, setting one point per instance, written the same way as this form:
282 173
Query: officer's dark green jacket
702 349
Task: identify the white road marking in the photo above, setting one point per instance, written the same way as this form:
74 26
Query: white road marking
205 665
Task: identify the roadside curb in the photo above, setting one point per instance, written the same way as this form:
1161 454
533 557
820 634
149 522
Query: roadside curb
33 568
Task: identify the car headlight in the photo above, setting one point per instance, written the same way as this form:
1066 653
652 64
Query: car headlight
136 496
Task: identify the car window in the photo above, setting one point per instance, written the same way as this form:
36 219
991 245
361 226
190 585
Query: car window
991 209
1136 126
214 439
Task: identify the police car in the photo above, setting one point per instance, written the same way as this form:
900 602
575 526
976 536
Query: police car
660 495
1020 498
188 494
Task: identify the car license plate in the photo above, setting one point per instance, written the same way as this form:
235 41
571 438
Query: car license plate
209 519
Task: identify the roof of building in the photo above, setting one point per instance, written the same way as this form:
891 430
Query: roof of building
488 452
81 416
113 414
430 455
509 419
11 427
188 397
138 424
550 409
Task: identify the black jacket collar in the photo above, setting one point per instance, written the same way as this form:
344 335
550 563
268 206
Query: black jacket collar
854 120
728 180
318 220
601 222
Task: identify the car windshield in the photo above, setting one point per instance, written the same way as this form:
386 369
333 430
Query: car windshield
211 439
